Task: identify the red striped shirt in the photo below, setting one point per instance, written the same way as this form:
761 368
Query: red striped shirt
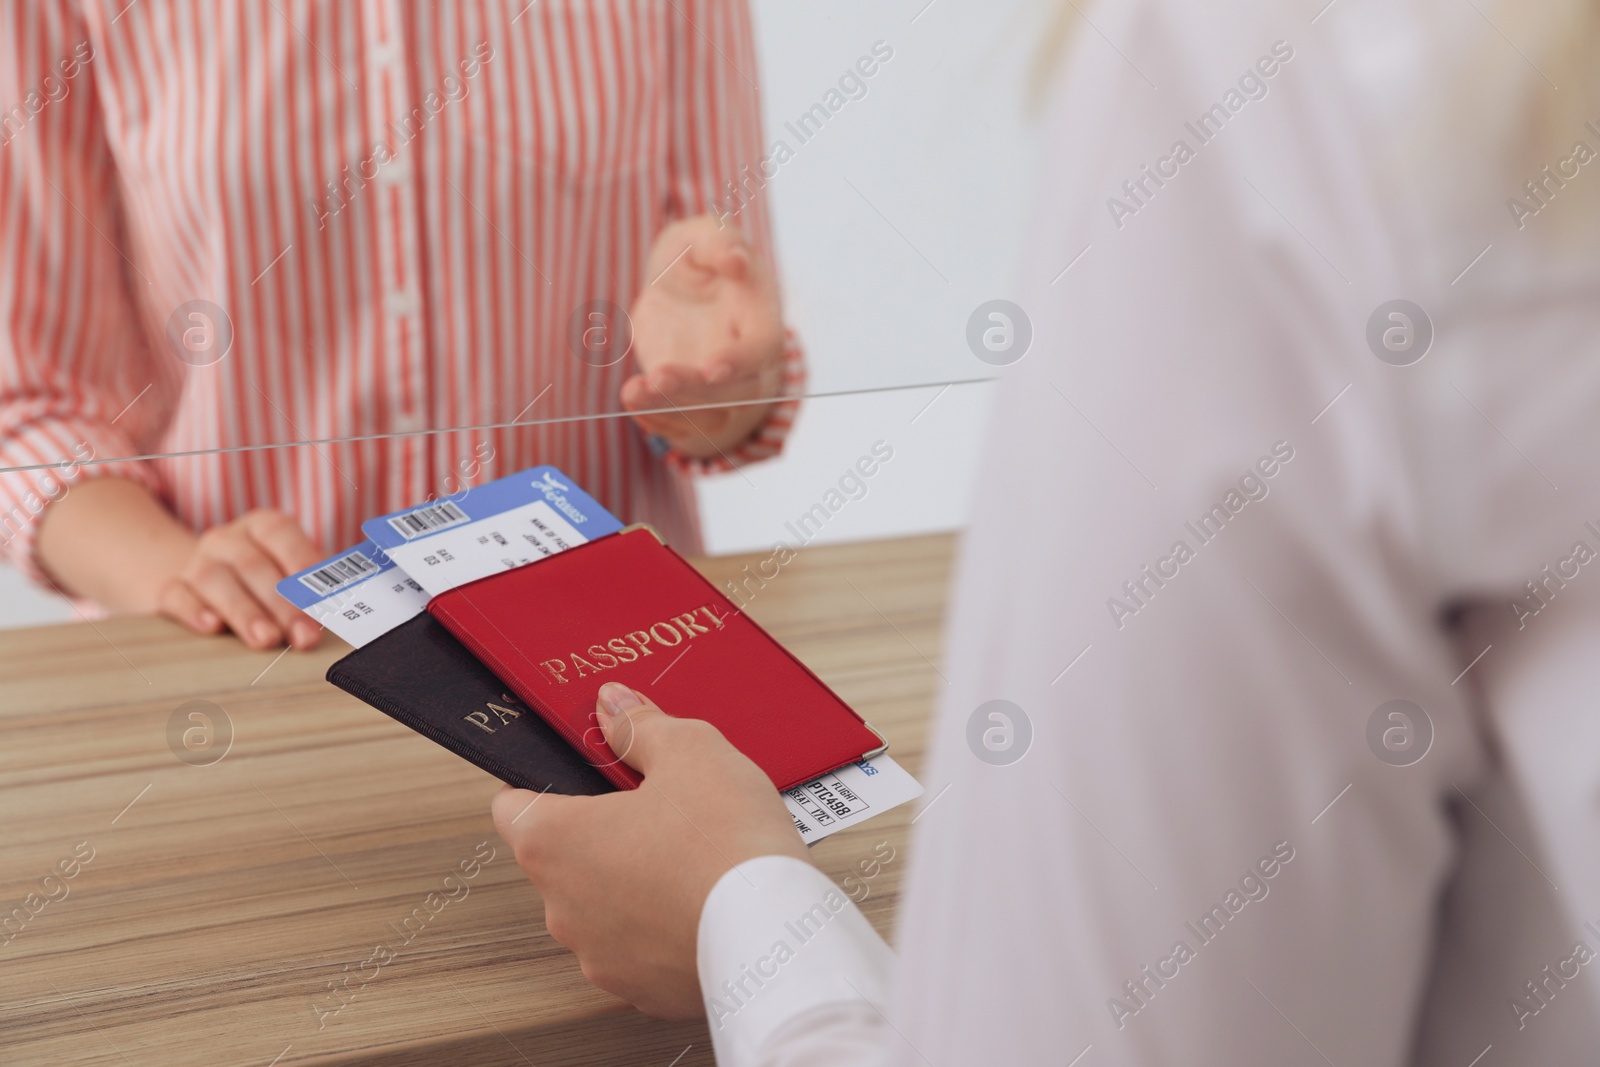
398 207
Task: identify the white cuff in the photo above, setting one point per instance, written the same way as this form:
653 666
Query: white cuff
779 939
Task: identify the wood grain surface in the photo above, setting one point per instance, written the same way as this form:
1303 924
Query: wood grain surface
225 897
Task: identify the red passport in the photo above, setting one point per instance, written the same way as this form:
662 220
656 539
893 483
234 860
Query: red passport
627 608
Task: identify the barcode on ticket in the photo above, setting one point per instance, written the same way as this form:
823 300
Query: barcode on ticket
339 574
427 519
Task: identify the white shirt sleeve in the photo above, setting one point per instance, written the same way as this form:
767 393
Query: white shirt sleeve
791 970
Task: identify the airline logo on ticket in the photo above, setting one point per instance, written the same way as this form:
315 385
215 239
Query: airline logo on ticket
848 796
360 594
494 527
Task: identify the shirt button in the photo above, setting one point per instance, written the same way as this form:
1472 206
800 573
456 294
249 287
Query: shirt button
409 422
399 303
394 172
384 54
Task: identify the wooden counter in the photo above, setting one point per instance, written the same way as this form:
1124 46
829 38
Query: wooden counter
223 900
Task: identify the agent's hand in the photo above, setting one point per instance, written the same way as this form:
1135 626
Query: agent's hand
230 576
625 875
707 328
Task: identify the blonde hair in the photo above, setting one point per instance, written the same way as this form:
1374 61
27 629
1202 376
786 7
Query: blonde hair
1516 103
1054 39
1547 54
1523 92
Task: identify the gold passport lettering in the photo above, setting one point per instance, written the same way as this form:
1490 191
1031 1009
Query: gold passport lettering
603 656
481 719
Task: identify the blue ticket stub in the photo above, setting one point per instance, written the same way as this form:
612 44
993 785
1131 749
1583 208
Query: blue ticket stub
503 524
360 594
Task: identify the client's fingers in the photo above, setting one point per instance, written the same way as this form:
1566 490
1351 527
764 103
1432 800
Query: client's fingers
177 601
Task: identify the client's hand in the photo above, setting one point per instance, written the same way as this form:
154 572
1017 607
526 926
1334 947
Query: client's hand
231 576
112 541
624 876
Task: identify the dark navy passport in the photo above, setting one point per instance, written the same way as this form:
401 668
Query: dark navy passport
420 675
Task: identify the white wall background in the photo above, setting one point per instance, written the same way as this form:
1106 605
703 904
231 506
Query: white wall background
893 223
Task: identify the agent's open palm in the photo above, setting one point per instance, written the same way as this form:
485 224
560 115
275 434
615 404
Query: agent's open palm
707 328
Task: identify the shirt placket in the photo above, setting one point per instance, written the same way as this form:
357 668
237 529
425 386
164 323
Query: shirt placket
397 218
